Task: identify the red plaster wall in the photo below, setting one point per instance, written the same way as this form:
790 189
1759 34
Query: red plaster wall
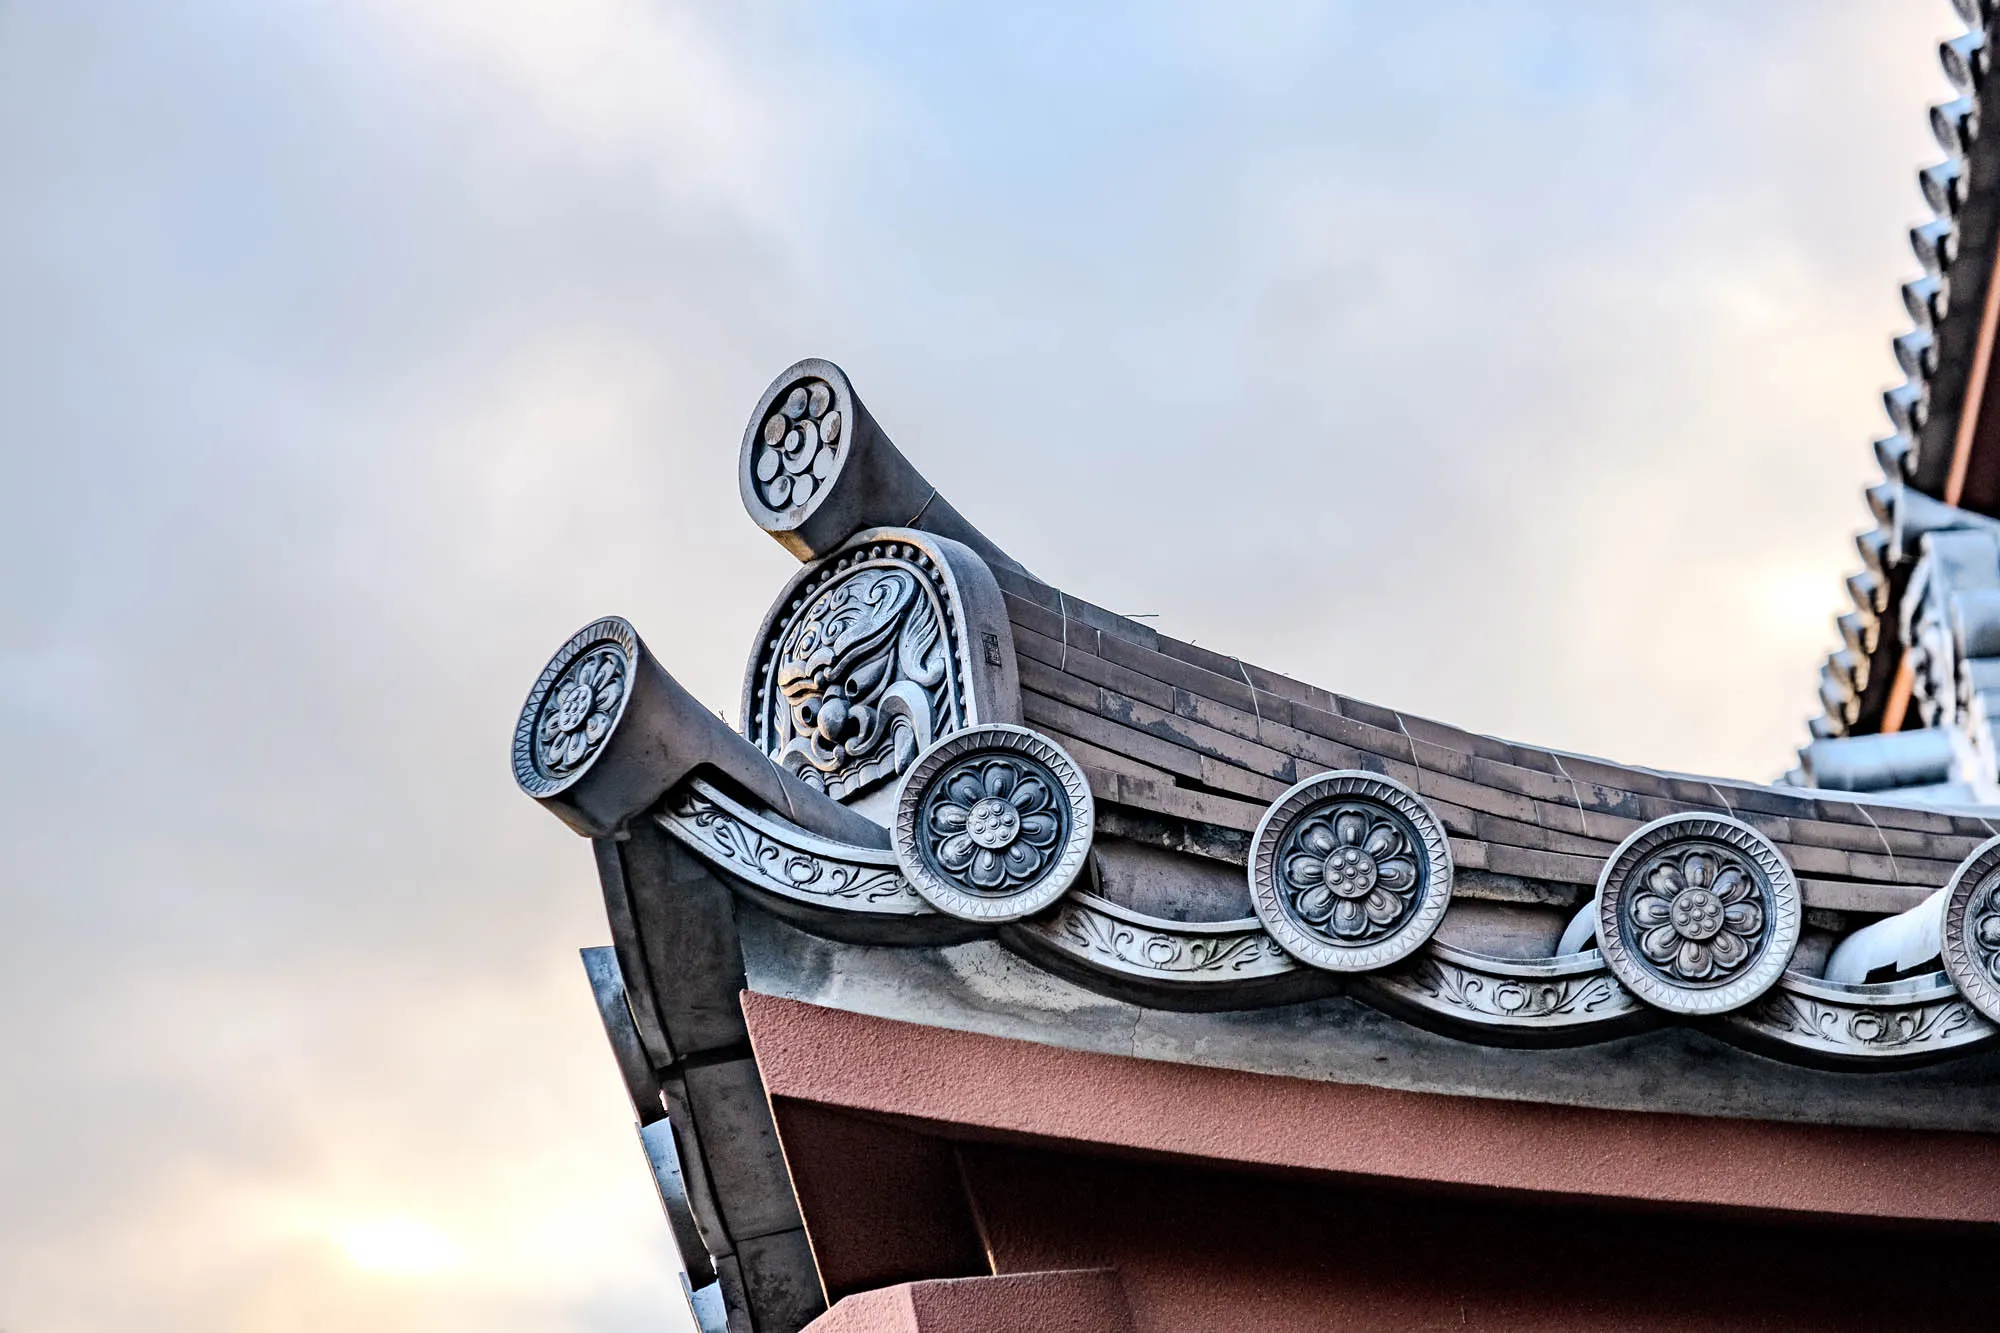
991 1084
1268 1205
1200 1248
885 1204
1064 1302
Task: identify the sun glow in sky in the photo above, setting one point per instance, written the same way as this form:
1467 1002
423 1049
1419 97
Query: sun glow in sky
398 1246
1796 600
1509 363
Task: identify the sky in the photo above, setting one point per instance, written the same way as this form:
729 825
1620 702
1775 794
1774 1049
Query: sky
1512 364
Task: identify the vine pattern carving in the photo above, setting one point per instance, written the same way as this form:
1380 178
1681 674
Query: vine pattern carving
1519 999
1184 956
696 817
1874 1029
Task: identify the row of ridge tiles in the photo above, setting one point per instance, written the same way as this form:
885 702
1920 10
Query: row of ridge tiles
1174 729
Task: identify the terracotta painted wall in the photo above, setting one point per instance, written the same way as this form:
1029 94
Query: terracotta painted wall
1067 1302
923 1154
1209 1249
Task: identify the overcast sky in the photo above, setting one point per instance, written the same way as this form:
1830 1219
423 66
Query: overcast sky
1512 364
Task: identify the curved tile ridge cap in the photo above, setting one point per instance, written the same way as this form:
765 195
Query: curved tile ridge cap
815 468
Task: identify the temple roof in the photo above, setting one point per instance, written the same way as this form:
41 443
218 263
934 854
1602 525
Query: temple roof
1915 655
967 799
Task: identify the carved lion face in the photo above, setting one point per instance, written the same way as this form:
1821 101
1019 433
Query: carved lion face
861 672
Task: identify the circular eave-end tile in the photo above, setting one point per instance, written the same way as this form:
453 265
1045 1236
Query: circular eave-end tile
993 823
574 707
1350 871
1970 928
1697 913
796 444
